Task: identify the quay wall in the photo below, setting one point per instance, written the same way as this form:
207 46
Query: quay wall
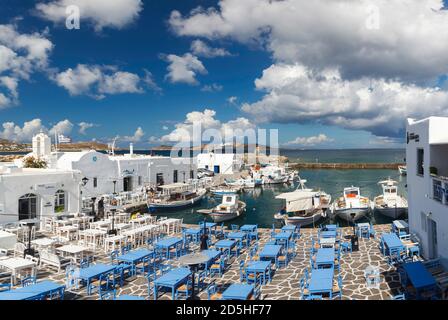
345 166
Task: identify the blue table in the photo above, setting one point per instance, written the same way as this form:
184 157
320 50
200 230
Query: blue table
392 242
289 227
271 251
321 282
128 297
172 279
167 244
260 267
328 234
193 233
283 236
238 291
325 257
225 245
331 227
239 236
208 225
249 228
34 291
134 257
420 278
213 255
94 272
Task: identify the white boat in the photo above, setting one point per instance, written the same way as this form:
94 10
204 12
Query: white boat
230 208
390 203
351 206
223 190
303 206
402 170
175 196
241 182
272 174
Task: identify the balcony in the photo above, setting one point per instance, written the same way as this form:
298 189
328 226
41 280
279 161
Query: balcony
440 189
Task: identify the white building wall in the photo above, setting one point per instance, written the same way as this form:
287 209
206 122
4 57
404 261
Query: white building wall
422 205
227 163
41 182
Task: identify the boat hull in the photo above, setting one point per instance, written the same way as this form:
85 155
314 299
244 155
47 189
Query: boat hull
351 214
392 212
154 206
302 221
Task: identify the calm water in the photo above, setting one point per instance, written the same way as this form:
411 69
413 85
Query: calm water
262 205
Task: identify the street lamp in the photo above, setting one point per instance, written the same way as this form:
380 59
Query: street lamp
84 181
115 184
113 231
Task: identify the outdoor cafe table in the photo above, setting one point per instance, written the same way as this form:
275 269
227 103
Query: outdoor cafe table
324 257
135 256
270 252
74 250
239 236
331 227
15 265
208 225
172 279
193 233
392 242
420 278
321 281
259 267
238 291
225 245
289 227
328 234
94 272
212 254
167 244
283 236
34 291
44 242
249 228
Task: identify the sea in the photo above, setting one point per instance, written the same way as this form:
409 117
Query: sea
261 202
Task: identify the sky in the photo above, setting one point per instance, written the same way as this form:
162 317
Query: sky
325 74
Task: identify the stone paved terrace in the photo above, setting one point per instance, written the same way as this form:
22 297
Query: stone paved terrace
285 281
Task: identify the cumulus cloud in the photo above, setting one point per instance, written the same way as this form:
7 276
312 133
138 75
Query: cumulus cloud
25 133
328 54
136 137
206 120
183 69
201 49
84 126
298 94
99 13
98 81
150 82
214 87
310 141
232 100
20 56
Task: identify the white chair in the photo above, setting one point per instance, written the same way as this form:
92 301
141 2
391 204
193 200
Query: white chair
19 249
51 259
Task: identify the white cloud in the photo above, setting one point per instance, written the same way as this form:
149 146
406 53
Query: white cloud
150 82
184 68
137 137
165 128
100 13
14 132
62 127
214 87
83 126
232 100
98 81
201 49
298 94
326 56
206 120
310 141
20 56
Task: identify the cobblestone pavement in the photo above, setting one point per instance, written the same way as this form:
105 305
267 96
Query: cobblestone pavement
285 281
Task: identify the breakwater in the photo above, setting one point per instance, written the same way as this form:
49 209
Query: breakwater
345 166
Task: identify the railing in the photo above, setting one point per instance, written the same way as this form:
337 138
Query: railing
440 190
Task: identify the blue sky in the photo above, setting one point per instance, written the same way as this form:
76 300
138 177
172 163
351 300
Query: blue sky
141 44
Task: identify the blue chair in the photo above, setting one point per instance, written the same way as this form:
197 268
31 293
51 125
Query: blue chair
292 249
257 290
28 281
218 267
234 227
212 292
108 295
201 275
372 231
346 247
126 249
242 268
84 263
103 284
282 260
165 268
337 288
303 285
150 278
313 297
184 290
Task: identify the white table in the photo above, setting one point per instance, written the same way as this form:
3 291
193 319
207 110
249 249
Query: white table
7 240
44 242
16 265
114 242
70 231
73 250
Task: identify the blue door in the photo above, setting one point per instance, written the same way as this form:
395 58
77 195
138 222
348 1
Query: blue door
216 169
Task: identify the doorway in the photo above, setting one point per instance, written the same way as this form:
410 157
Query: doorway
127 184
28 206
432 239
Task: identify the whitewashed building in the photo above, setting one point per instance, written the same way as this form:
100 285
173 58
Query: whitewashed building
37 193
427 178
223 163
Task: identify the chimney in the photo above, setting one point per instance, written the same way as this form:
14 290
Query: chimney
131 149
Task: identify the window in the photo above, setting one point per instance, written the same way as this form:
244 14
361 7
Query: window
95 182
159 179
139 180
175 176
437 190
191 174
59 201
420 164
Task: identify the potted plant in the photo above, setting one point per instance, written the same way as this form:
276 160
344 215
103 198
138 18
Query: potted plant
433 171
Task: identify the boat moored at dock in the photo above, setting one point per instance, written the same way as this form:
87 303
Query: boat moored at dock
175 196
390 203
351 206
230 208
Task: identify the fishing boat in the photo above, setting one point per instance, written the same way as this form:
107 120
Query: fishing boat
390 203
241 182
303 206
175 196
223 190
230 208
351 206
402 170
